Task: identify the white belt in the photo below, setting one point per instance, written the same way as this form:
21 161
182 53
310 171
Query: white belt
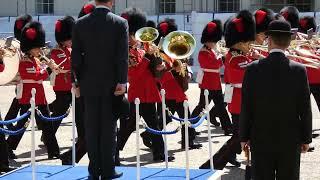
201 73
31 81
239 85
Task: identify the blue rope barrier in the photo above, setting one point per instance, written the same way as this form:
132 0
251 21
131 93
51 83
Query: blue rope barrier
52 119
7 122
153 131
199 122
192 120
12 133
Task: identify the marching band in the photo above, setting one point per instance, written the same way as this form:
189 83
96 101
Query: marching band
150 70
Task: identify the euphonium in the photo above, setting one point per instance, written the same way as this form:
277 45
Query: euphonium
10 56
179 44
147 34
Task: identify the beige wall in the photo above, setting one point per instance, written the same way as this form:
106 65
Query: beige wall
148 6
67 7
8 8
72 7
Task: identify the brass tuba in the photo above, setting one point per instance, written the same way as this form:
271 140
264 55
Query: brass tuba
9 48
179 44
147 34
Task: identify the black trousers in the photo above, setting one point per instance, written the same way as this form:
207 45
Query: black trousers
149 114
229 150
121 110
47 130
219 109
81 149
178 107
4 162
100 134
13 111
276 165
60 106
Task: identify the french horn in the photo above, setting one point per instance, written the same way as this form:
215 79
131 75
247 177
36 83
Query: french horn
10 57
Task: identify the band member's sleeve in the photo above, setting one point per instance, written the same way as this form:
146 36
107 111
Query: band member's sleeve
246 108
122 54
76 54
305 112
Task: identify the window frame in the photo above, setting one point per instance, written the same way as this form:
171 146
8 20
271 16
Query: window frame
41 5
229 5
162 6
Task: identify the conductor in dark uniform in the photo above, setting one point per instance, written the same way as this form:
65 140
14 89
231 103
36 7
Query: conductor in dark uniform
100 62
276 117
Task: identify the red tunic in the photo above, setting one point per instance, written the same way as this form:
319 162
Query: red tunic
62 57
31 77
211 80
1 67
236 64
313 75
172 88
142 84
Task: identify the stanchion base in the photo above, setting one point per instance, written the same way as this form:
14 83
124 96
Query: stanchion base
81 172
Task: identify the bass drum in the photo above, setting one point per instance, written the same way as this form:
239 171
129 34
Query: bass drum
10 60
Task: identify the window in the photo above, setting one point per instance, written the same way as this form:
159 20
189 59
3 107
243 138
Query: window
167 6
277 5
44 6
229 5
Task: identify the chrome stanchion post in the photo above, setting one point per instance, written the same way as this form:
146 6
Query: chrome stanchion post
73 127
137 103
33 140
186 137
164 121
206 95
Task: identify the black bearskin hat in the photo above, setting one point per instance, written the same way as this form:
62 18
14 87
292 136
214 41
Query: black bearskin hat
291 14
263 17
165 27
241 28
307 23
212 32
20 22
151 23
87 9
63 29
32 36
136 19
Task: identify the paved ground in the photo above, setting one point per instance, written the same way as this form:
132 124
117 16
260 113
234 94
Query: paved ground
310 169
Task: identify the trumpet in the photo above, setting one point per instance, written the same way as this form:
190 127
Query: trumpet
44 58
221 47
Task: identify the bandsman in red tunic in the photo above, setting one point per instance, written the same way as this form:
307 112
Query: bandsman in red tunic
32 75
306 23
240 33
263 17
61 54
175 83
14 109
142 85
209 76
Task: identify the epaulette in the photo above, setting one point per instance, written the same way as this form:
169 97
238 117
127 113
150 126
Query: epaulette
59 55
235 54
25 58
